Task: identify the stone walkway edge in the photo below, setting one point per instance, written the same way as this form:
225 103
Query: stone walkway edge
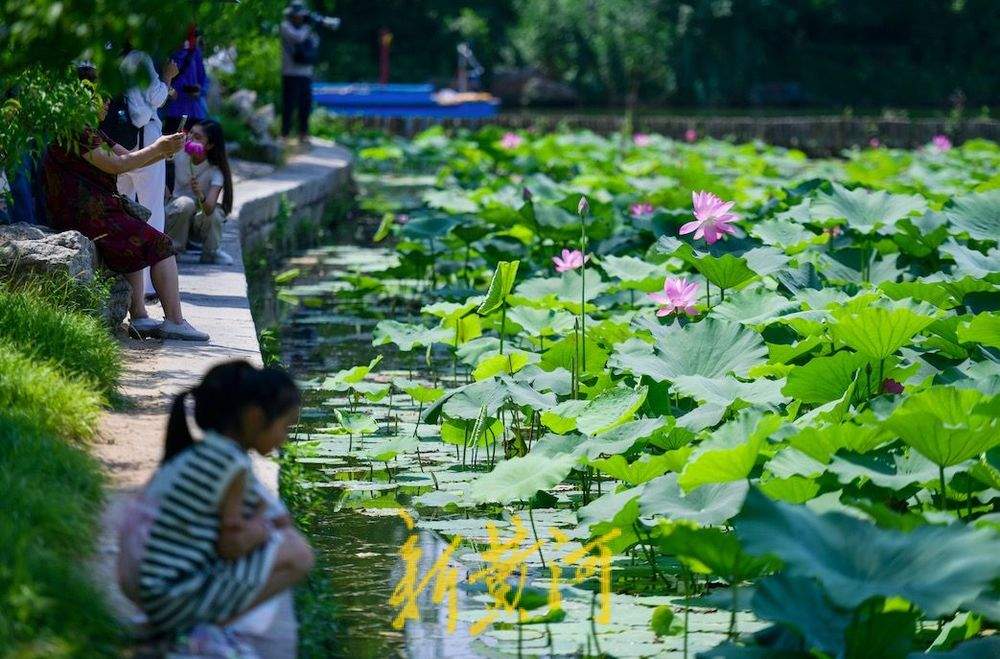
214 299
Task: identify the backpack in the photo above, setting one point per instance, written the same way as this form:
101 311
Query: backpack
118 126
306 51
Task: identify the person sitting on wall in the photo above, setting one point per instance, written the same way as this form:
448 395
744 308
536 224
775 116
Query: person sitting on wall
201 195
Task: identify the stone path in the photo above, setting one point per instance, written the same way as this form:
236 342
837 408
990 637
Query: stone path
214 299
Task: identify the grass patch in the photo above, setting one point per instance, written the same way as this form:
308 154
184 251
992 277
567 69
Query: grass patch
51 500
38 325
64 292
36 395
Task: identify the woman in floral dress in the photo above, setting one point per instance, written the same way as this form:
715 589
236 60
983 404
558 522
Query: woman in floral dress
80 191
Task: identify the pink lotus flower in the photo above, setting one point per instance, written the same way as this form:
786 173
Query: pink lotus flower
874 143
712 217
402 218
644 209
678 295
511 140
194 149
891 386
941 142
835 231
571 260
641 139
690 135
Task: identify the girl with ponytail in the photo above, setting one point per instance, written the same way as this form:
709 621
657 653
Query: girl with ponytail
212 547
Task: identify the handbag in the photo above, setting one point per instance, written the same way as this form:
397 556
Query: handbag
134 208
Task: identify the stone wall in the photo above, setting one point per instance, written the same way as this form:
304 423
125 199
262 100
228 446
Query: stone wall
298 195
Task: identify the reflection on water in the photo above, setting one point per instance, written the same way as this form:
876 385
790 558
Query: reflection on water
360 555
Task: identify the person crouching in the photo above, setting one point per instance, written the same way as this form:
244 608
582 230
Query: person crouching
202 194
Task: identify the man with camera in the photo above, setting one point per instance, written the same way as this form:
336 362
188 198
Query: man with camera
299 53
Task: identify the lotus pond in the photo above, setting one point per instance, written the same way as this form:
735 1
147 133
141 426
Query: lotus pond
759 392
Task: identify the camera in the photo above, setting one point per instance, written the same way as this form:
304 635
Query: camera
329 22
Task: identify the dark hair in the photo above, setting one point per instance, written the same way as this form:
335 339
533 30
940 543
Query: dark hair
217 156
224 393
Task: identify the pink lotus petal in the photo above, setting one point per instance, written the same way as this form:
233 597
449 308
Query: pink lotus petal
691 311
511 140
874 143
641 139
690 135
689 227
941 142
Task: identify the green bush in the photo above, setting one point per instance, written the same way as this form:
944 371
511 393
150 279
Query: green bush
76 343
38 396
51 498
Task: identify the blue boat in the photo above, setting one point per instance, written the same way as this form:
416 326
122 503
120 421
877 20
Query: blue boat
402 100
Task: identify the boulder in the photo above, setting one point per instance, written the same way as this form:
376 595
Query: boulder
119 300
242 101
261 121
27 248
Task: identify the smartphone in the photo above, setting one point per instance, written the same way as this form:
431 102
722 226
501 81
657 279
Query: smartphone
180 129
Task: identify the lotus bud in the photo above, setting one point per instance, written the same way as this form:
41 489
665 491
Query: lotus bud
526 195
583 207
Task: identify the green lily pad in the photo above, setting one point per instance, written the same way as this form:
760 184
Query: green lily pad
407 336
518 479
708 505
731 452
865 210
755 306
823 379
937 568
944 424
977 215
612 408
878 332
711 348
500 287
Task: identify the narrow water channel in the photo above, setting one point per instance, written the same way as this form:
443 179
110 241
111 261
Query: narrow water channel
346 498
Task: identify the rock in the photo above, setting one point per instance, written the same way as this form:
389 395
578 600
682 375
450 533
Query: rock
243 102
119 300
20 231
261 120
25 248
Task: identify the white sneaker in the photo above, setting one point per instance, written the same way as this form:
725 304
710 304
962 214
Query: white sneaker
216 258
143 327
181 331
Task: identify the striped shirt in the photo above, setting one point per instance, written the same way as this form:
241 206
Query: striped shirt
183 581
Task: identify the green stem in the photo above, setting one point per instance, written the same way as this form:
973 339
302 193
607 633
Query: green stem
583 314
944 492
688 587
732 614
531 518
503 322
593 624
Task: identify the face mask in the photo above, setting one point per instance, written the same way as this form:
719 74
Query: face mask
194 149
